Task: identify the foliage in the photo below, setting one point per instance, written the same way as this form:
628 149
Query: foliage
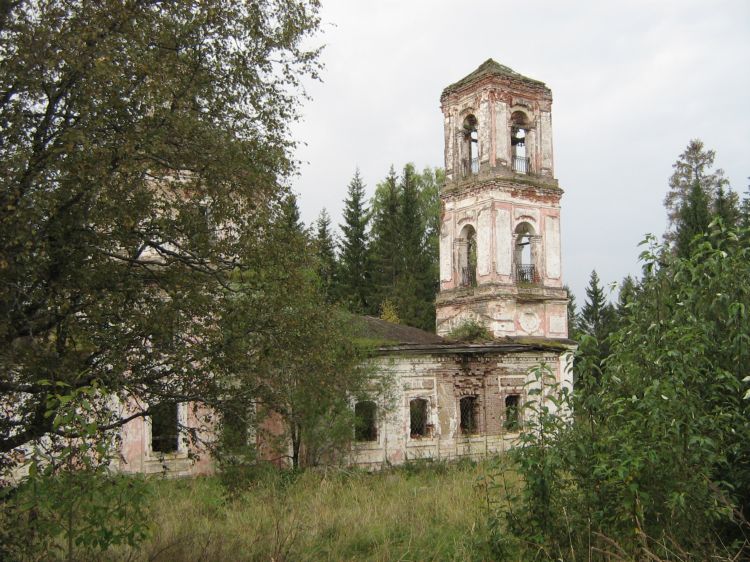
404 244
386 241
301 371
574 317
536 515
389 312
354 279
421 511
69 504
597 320
415 288
693 168
144 147
694 215
656 464
470 331
727 206
325 249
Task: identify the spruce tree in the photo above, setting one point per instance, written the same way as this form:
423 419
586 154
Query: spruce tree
574 319
693 219
726 207
694 166
597 315
413 296
325 249
429 193
386 238
354 281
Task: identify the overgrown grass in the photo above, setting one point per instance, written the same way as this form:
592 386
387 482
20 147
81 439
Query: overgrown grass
425 512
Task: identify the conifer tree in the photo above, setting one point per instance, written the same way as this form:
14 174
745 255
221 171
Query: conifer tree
574 318
354 280
386 238
693 218
726 206
413 297
429 193
325 248
744 214
694 166
597 315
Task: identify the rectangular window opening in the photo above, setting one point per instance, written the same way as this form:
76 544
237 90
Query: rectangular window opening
512 412
165 429
365 421
418 418
469 407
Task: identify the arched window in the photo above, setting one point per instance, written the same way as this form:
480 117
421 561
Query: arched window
365 421
518 132
470 152
469 408
467 258
418 426
525 254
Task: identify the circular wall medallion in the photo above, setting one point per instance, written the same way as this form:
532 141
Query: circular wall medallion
529 322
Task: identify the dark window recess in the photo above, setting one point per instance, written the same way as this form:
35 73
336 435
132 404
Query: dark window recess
365 421
512 413
165 431
418 417
469 415
234 428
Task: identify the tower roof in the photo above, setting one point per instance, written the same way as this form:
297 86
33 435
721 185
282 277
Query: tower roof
491 67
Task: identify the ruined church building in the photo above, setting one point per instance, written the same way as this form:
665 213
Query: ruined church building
500 266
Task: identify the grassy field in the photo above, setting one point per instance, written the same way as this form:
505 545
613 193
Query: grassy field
424 512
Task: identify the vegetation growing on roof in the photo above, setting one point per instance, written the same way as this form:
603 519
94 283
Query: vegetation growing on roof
490 68
470 331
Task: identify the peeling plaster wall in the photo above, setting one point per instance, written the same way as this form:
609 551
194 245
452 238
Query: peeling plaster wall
495 211
442 380
508 317
191 458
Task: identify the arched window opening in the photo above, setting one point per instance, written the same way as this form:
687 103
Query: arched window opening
519 130
470 164
418 426
365 421
467 258
525 255
469 407
512 412
165 428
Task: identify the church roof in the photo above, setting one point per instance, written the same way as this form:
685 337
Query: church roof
389 337
490 68
387 333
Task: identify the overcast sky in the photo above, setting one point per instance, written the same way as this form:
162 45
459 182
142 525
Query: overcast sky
632 83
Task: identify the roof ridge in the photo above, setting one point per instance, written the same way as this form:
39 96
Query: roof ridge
490 67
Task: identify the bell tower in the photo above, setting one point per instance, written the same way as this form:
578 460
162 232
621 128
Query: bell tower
500 261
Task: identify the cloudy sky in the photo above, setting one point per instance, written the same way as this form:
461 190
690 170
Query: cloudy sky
632 81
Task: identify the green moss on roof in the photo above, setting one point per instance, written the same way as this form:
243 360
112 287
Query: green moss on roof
374 331
490 68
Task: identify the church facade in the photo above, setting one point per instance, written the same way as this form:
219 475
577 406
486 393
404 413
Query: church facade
500 267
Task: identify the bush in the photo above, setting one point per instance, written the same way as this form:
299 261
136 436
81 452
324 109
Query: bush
470 331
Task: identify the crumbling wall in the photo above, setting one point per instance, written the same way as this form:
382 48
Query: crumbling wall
443 379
